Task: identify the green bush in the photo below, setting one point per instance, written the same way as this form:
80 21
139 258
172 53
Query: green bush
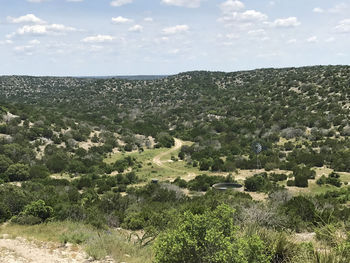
5 213
290 183
204 182
257 183
37 209
38 171
180 182
209 237
301 180
165 140
327 234
17 172
301 212
277 177
332 179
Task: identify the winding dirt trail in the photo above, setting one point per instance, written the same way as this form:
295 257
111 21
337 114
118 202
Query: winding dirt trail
157 159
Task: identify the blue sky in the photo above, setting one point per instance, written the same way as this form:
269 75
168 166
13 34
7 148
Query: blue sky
130 37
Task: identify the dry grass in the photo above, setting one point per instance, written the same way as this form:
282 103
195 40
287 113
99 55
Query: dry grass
97 243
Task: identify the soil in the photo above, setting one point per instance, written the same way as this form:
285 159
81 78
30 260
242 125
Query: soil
21 250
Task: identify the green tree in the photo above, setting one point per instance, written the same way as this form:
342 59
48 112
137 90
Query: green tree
165 140
38 209
208 237
5 162
17 172
38 171
57 162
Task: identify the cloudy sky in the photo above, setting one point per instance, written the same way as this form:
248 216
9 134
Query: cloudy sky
129 37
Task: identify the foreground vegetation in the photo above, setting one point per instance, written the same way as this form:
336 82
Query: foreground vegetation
97 243
129 169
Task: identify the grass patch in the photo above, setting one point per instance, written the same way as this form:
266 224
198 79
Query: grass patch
316 189
345 177
146 155
152 170
97 243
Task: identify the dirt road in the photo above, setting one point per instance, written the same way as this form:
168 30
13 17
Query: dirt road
157 159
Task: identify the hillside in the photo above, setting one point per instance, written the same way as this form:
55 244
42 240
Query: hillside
142 156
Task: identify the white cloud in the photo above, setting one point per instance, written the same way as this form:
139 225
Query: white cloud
343 26
37 1
95 48
246 16
339 8
330 39
161 40
121 20
148 19
34 42
257 33
53 29
312 39
175 29
286 22
231 6
183 3
318 10
251 15
341 54
98 39
292 41
7 41
174 51
74 0
29 18
26 49
136 28
118 3
269 55
231 36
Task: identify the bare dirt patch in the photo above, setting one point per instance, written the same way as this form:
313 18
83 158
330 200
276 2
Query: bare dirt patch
21 250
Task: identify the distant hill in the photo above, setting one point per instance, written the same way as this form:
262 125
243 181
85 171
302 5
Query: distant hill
223 113
128 77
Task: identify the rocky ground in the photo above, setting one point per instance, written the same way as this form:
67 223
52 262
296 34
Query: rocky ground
20 250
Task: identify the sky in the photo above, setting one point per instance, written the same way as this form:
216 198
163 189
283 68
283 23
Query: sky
156 37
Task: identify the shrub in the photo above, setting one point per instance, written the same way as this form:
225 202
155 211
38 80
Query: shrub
301 180
209 237
37 209
332 179
180 182
134 221
277 177
17 172
290 183
165 140
38 171
5 213
301 212
258 182
5 162
26 220
327 233
204 182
